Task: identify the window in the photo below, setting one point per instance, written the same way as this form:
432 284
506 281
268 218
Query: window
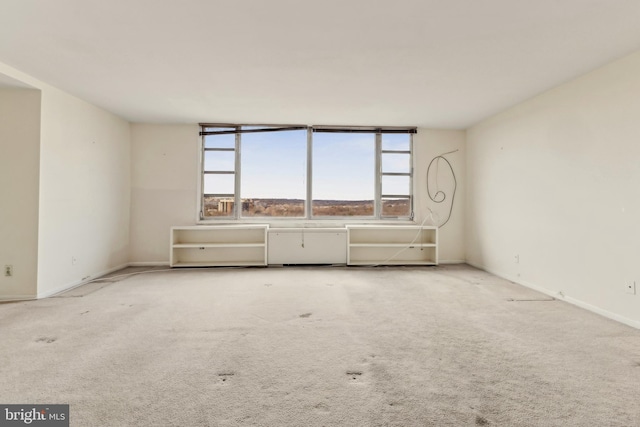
219 173
343 178
306 172
274 166
396 175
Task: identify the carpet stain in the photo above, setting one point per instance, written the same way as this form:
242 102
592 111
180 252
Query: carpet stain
305 315
46 340
322 408
481 421
354 374
268 284
224 376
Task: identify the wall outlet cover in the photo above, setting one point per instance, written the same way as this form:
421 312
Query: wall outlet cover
630 288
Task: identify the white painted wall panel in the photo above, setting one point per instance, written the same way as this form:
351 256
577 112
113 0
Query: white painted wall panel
82 175
19 189
84 192
164 178
554 182
428 144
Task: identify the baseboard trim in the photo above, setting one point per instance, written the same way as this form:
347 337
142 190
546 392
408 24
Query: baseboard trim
149 264
600 311
563 297
16 298
452 261
80 282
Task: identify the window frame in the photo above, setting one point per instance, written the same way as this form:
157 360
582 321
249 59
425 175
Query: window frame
380 196
236 214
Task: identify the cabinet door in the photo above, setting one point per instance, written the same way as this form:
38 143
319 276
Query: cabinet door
308 247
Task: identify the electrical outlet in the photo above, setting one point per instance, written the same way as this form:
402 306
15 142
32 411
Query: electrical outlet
8 270
517 259
74 260
630 287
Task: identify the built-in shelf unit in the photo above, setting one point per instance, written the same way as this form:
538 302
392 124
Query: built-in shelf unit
219 245
392 245
258 245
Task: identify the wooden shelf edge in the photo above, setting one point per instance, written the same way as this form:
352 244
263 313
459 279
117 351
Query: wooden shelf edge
392 245
217 245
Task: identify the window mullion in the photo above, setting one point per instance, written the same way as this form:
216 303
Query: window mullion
378 178
309 198
237 208
202 195
411 215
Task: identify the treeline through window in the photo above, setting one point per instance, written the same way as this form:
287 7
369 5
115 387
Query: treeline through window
312 172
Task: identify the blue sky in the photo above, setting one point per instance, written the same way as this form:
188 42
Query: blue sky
274 165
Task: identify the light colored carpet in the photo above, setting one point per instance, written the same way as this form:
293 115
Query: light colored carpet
440 346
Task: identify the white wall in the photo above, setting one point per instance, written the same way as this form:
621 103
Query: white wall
84 192
19 177
165 176
555 180
82 187
427 145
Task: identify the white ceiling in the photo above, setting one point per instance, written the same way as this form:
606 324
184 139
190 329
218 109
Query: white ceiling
430 63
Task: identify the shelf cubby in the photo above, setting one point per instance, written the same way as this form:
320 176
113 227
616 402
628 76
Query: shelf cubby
392 245
219 245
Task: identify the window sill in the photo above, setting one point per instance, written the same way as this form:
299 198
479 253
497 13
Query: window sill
302 223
